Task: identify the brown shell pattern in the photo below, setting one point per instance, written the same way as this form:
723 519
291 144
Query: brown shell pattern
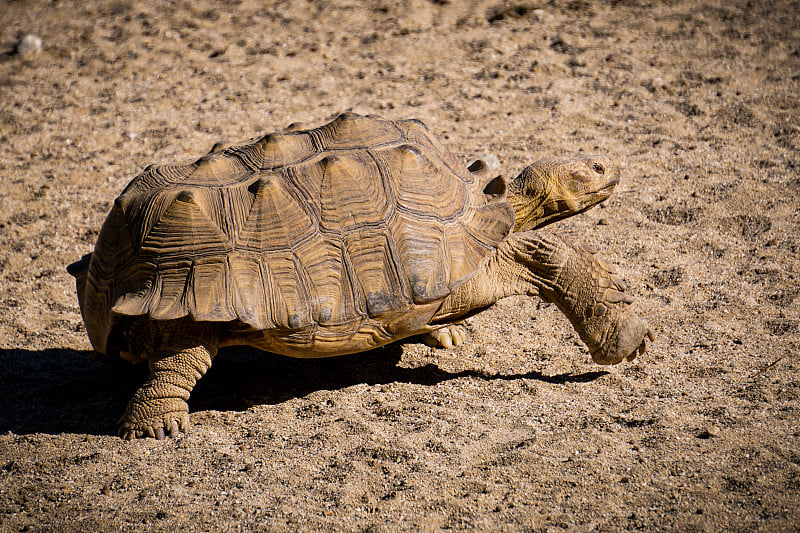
360 219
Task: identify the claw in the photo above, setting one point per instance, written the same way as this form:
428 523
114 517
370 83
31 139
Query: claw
173 428
638 351
619 282
642 349
615 296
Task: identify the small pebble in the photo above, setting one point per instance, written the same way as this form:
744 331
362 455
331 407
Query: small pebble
602 222
106 490
709 432
29 45
492 161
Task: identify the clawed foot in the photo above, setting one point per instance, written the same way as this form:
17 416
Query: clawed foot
169 423
158 408
627 339
609 327
448 336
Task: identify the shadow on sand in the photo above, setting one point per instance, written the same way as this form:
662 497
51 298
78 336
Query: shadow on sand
65 391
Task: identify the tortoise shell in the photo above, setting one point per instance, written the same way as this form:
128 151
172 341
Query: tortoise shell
302 239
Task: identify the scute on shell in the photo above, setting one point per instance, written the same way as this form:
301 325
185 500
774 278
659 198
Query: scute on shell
317 231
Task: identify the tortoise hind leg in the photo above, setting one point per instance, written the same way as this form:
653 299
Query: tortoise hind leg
447 336
182 356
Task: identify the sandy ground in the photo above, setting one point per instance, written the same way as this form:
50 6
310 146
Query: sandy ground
515 431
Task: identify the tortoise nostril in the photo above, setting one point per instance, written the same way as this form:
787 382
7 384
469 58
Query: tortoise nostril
598 168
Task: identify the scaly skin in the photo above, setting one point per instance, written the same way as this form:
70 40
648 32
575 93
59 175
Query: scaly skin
183 355
583 287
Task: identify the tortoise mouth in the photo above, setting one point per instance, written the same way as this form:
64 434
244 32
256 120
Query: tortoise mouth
611 184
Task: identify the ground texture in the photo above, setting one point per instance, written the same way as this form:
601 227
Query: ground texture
516 430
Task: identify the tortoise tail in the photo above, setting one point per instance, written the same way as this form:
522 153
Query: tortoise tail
79 268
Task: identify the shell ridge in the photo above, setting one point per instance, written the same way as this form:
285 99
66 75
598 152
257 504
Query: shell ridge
168 235
173 282
277 217
245 155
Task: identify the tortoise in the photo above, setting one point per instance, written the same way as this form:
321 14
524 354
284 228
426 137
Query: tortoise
335 240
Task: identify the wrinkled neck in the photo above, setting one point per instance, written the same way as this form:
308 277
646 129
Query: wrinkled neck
528 212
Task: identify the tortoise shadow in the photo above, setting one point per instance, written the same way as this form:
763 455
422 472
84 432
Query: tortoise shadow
64 391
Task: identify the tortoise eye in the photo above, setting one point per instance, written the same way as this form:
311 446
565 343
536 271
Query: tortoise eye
598 168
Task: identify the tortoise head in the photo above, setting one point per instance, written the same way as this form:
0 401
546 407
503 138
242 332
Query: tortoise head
558 187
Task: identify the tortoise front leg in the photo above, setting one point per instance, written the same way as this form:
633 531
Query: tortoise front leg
158 408
584 288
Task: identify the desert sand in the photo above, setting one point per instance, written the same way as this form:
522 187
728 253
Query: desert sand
517 430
